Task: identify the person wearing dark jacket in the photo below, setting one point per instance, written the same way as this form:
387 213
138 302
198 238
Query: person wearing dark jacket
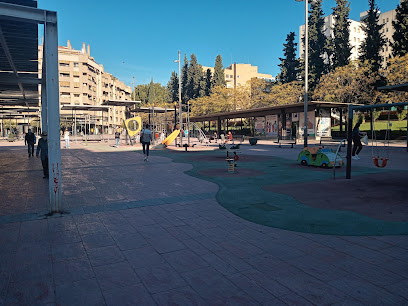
357 147
117 138
30 141
43 148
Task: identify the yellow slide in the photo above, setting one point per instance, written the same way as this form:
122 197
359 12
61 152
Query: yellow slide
171 138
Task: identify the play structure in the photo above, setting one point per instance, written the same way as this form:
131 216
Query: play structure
171 137
320 157
379 161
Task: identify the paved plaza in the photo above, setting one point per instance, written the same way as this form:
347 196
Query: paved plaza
159 233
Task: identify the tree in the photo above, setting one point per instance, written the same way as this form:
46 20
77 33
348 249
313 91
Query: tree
397 73
195 76
341 43
370 49
353 83
317 44
400 36
151 94
173 87
208 82
219 76
289 64
141 93
184 80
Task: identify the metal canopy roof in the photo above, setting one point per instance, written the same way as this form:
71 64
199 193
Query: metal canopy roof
270 110
151 109
399 87
121 103
86 108
19 60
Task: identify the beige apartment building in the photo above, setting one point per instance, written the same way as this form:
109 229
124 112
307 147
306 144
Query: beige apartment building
240 74
83 82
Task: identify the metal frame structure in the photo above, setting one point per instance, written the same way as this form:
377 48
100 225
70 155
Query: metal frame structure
49 90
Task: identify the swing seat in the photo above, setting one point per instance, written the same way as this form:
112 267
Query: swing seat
384 161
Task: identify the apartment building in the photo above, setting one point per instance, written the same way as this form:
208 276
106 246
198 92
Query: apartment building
240 74
84 82
357 35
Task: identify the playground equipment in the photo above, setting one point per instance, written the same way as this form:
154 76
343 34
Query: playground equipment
321 157
171 138
386 151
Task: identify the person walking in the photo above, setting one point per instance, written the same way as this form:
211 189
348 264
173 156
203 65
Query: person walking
43 148
117 138
357 146
30 141
145 137
66 138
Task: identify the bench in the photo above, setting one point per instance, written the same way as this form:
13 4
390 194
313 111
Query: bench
92 138
288 142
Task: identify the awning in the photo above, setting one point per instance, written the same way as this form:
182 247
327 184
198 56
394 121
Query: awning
399 87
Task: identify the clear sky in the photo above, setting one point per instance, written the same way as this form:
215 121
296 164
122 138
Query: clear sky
141 39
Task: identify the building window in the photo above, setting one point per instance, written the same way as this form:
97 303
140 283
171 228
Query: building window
387 30
64 64
76 65
64 74
387 19
76 95
64 84
354 39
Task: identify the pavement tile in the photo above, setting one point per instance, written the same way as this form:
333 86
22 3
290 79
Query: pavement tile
292 299
176 232
130 295
179 296
86 218
123 228
64 237
143 257
68 251
160 278
97 240
208 243
60 224
366 292
218 264
22 271
252 289
9 232
33 230
399 288
72 270
396 252
89 228
84 292
267 282
166 243
209 283
111 217
105 255
184 260
233 260
30 292
128 241
116 275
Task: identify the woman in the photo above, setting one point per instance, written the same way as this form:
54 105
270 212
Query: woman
357 147
145 137
66 138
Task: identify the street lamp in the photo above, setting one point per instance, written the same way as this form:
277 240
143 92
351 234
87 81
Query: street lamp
306 64
179 94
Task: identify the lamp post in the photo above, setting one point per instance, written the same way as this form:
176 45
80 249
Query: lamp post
306 65
179 95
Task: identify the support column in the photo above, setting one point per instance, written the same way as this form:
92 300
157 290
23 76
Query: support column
53 115
349 141
44 123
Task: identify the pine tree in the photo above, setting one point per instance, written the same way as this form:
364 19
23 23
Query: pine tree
317 44
151 93
341 43
219 76
194 75
184 80
370 49
173 87
400 36
289 64
208 82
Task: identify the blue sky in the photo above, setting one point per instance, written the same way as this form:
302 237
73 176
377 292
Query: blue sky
141 39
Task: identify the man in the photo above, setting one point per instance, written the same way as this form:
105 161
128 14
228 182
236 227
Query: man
43 147
117 138
145 137
30 140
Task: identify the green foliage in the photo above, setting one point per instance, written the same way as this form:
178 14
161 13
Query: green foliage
141 93
396 73
400 36
341 41
317 44
219 77
173 87
371 47
289 64
353 83
184 80
208 83
195 79
401 113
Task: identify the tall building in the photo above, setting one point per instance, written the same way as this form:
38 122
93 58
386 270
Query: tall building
357 35
240 74
82 81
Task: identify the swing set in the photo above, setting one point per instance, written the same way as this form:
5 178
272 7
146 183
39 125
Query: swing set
379 160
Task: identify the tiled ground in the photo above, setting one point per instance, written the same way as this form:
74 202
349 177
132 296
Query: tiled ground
148 234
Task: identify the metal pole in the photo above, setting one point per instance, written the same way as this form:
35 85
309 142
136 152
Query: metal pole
306 66
349 141
181 111
188 123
